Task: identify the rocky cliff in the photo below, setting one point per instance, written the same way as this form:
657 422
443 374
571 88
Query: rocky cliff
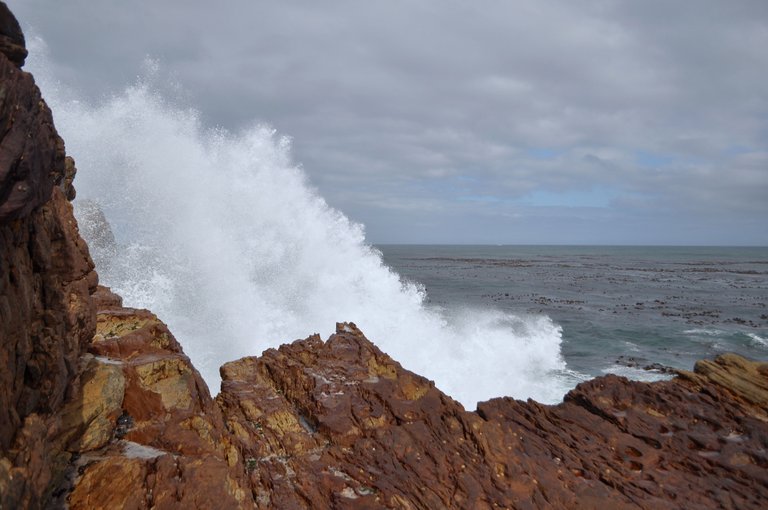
100 408
47 316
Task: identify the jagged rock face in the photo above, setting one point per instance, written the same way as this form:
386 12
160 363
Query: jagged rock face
32 158
166 446
46 277
341 425
12 43
46 316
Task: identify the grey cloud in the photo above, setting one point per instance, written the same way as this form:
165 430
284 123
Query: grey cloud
391 104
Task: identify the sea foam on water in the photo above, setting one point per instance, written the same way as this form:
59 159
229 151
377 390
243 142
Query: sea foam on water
220 234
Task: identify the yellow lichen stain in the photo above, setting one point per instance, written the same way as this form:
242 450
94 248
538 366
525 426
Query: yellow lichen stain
386 371
160 340
605 401
232 456
238 430
283 422
171 378
397 501
235 490
740 459
202 427
411 389
251 411
75 303
372 422
111 326
654 412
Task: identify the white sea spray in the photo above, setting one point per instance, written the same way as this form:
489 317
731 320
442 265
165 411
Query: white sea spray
220 234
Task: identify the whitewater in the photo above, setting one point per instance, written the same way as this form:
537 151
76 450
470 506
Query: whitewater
222 236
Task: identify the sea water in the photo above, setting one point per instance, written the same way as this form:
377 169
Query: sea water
621 308
221 234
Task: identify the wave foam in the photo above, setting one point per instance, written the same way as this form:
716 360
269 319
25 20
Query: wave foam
220 234
758 340
637 374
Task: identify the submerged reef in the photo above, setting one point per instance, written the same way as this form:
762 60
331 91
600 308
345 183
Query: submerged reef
101 408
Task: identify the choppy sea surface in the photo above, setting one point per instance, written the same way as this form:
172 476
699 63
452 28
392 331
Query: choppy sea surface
621 308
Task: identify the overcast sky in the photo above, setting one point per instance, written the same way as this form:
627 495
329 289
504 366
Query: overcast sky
530 121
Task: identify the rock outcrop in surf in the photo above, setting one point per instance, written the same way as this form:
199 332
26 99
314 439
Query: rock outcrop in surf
101 408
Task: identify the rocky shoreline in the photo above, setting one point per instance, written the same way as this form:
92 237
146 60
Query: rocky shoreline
101 408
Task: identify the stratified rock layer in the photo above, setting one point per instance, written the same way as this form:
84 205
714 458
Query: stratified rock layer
339 424
46 276
166 446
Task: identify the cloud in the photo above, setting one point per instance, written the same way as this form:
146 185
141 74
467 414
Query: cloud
410 106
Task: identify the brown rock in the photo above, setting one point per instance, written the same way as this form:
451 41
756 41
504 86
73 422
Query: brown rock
12 43
104 299
340 425
46 315
46 276
31 152
88 422
112 483
743 378
133 476
169 447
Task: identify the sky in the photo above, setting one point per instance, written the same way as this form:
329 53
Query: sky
488 122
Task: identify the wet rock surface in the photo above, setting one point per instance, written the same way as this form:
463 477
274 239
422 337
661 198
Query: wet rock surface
341 425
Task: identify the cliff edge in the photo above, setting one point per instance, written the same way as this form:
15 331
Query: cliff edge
47 317
101 408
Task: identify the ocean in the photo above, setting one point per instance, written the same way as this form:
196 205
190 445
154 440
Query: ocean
221 234
628 310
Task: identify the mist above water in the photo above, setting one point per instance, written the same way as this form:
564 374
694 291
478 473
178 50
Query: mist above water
220 234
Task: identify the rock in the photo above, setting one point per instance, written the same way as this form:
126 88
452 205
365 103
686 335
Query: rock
167 442
12 43
46 314
112 483
633 362
32 159
89 420
136 477
104 299
66 185
47 317
745 379
339 424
